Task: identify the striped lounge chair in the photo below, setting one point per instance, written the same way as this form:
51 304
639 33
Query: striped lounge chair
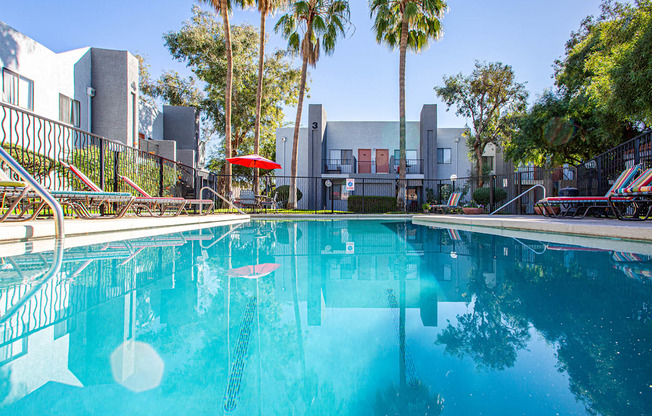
634 202
581 206
453 202
160 205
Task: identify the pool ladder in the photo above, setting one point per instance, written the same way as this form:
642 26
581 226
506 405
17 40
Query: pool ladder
208 188
59 232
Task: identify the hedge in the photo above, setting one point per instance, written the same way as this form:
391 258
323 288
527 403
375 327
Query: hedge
481 195
372 204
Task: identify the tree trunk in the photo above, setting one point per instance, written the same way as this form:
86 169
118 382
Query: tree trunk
400 201
478 166
259 96
292 199
227 100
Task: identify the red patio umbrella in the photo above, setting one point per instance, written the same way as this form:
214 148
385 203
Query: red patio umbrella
254 271
254 161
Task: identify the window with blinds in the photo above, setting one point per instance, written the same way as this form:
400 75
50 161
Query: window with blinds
69 110
17 90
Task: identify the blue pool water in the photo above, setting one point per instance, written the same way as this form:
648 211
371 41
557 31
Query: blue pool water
326 318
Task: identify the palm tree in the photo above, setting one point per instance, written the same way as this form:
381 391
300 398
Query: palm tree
308 26
265 7
223 7
406 24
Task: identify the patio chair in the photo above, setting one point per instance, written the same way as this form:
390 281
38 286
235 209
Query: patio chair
158 206
11 194
581 206
247 199
453 203
634 202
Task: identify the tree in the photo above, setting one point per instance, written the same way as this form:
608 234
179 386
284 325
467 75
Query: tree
223 7
265 7
608 63
406 24
601 96
200 43
310 26
489 96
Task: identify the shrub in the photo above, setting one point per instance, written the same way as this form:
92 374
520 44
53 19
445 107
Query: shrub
445 192
481 195
372 204
282 194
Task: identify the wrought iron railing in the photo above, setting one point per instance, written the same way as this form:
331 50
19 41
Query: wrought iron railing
340 165
596 176
412 165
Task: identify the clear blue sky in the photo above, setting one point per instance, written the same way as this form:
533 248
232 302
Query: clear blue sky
360 80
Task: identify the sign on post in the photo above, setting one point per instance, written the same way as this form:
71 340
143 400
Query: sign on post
350 185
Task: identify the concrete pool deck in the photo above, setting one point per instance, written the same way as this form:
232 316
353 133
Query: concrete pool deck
122 228
588 227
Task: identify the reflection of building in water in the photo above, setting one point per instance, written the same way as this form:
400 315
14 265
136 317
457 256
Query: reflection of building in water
64 331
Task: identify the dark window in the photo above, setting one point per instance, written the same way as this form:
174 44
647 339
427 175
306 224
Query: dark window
488 161
443 155
69 110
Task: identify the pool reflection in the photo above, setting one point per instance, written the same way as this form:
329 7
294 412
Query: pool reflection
335 317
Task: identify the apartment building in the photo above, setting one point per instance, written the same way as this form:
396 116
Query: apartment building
94 90
368 152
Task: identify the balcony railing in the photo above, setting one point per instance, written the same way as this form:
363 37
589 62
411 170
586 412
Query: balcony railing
340 165
413 166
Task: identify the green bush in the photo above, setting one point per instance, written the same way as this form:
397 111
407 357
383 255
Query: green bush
481 195
282 194
372 204
445 192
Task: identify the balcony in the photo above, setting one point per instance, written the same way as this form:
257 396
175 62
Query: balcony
413 166
340 165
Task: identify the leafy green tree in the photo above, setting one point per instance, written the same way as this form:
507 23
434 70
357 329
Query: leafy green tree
406 24
601 96
265 7
200 44
608 63
488 96
310 26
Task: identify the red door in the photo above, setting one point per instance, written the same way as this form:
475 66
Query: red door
364 160
382 161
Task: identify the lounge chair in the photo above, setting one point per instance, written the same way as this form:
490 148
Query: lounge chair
27 204
581 206
634 202
160 205
453 203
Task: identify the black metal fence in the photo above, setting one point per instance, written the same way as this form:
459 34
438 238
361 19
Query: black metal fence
41 145
596 176
336 194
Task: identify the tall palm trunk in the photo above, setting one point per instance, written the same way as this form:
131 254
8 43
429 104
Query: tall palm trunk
400 202
259 94
292 199
227 100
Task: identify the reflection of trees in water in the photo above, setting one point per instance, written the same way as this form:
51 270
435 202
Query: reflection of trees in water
408 401
487 333
603 335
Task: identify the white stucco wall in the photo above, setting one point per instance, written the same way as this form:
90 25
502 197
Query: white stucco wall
150 121
284 151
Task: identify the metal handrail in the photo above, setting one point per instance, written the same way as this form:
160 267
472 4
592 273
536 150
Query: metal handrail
201 193
40 190
520 195
54 269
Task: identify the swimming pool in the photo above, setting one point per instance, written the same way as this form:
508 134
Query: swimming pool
326 318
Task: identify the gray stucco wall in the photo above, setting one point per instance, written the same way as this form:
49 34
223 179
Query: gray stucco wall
284 151
115 78
181 124
451 138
